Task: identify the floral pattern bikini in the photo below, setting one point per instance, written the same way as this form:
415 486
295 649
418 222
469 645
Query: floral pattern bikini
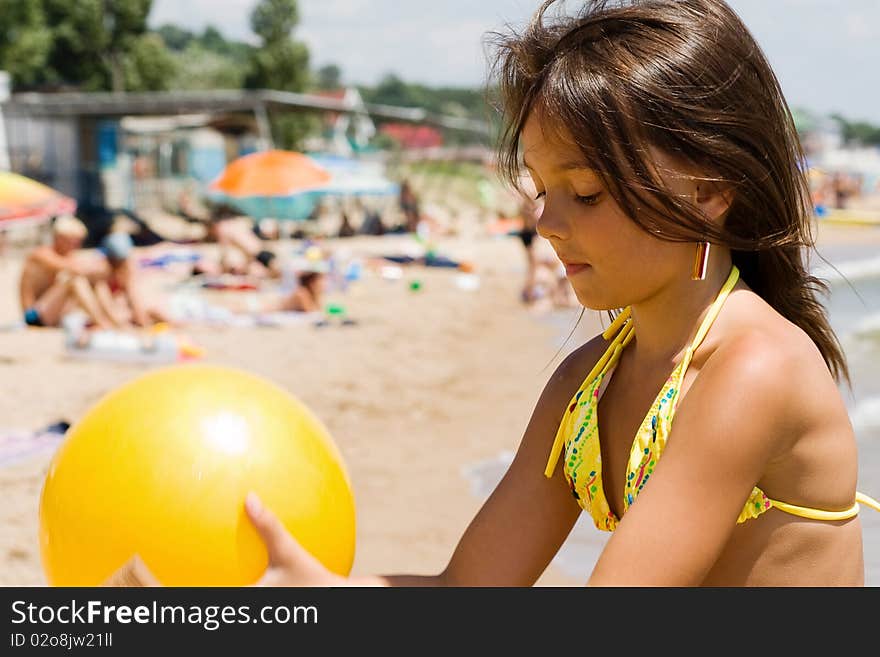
577 439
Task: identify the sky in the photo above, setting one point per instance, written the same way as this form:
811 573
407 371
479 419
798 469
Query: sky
826 53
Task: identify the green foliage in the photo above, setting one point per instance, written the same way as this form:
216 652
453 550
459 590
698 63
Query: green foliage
449 101
99 45
200 69
176 38
384 142
282 65
858 132
459 101
149 66
80 45
290 129
328 77
212 40
206 61
87 43
391 90
274 20
25 40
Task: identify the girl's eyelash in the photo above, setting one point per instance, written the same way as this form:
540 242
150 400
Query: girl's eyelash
592 199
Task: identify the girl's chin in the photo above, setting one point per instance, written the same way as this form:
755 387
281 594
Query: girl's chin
591 301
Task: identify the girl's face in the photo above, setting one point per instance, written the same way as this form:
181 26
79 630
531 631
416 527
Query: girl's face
609 260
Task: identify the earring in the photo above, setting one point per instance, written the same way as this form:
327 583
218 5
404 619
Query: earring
700 262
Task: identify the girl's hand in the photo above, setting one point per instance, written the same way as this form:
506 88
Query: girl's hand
290 564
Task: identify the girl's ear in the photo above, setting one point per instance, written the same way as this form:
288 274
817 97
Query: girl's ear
713 199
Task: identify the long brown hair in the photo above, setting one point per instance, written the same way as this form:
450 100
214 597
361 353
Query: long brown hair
686 77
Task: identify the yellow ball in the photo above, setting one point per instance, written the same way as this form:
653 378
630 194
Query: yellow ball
160 467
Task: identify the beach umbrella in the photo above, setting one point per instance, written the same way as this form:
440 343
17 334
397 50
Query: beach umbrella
27 201
351 177
274 183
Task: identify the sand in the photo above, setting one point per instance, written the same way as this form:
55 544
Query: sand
427 383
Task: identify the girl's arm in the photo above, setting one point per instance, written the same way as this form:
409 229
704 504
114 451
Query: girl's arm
513 537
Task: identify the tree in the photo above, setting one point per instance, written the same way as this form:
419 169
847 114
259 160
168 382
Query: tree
206 61
198 68
149 66
282 66
274 20
858 132
211 39
391 90
280 63
329 77
78 44
176 38
25 40
453 101
123 22
93 38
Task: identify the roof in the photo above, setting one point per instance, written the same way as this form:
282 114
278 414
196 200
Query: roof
119 104
338 94
413 136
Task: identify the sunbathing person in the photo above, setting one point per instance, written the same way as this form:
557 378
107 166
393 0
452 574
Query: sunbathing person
241 250
308 295
120 291
56 280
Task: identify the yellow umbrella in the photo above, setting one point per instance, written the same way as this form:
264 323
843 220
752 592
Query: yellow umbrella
24 200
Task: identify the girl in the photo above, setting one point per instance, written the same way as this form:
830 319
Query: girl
721 452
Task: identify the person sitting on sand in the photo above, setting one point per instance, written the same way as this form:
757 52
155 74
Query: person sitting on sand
237 238
307 296
120 292
55 281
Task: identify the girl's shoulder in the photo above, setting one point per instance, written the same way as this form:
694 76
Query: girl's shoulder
764 397
561 386
755 348
753 334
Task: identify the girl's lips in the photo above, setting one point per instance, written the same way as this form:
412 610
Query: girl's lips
572 268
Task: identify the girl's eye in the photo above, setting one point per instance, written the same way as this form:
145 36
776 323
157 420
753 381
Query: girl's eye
540 195
592 199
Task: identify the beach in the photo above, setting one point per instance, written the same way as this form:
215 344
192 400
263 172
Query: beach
426 395
427 381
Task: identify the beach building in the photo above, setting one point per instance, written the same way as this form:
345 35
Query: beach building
126 149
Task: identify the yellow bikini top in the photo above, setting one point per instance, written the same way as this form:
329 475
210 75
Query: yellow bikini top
578 433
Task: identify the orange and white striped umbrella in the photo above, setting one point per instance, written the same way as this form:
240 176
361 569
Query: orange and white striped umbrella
270 173
275 183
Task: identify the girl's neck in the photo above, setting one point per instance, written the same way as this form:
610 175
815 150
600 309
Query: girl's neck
667 323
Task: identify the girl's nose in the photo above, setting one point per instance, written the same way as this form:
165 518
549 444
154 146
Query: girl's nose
552 224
